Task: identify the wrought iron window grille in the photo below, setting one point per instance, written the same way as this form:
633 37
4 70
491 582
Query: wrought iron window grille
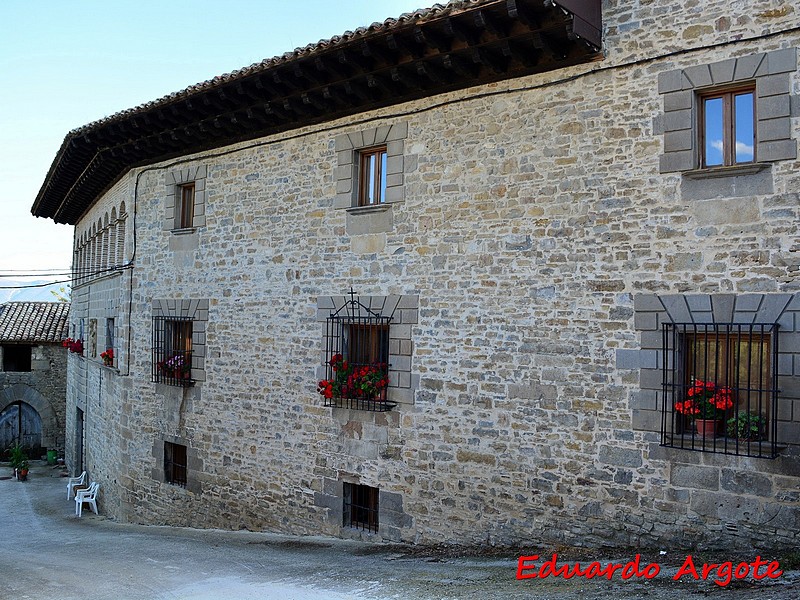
720 388
360 507
357 358
172 351
175 464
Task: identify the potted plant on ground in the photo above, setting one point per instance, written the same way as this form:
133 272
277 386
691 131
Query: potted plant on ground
748 427
706 404
19 462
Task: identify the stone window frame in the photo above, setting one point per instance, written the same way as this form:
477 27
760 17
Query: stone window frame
682 89
175 181
392 517
194 464
352 511
404 313
370 218
197 311
651 311
173 474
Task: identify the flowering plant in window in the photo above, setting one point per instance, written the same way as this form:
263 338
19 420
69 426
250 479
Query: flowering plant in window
177 365
108 357
705 400
75 346
354 381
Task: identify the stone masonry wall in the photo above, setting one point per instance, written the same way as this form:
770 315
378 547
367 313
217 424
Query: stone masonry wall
533 213
44 388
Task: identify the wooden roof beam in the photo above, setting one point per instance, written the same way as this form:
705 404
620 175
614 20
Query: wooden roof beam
521 13
459 66
306 74
275 111
483 57
313 100
431 38
356 90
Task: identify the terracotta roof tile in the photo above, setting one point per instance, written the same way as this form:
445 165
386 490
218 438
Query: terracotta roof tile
34 321
418 16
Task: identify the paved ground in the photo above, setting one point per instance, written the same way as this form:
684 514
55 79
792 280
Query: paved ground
48 553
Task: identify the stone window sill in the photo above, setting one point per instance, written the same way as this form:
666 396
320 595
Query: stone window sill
730 171
184 231
370 209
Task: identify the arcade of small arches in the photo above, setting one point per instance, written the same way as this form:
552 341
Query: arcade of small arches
100 249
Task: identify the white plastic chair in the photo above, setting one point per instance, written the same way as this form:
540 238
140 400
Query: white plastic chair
89 495
74 482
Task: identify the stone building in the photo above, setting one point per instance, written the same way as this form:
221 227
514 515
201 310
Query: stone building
561 223
33 375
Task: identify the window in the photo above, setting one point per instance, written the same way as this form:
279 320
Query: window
372 176
16 357
732 113
185 206
185 200
172 350
109 334
727 127
371 173
361 507
175 464
719 388
357 355
366 343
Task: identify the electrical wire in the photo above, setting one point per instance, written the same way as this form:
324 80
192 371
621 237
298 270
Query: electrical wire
363 121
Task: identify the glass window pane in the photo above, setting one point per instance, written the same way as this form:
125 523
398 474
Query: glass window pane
743 107
370 179
383 178
712 110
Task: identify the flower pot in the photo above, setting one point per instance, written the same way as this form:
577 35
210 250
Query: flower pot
706 427
23 474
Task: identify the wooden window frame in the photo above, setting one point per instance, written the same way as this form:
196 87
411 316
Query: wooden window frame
728 96
366 343
367 184
186 205
726 351
175 464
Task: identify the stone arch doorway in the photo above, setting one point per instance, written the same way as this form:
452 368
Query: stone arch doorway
20 424
39 421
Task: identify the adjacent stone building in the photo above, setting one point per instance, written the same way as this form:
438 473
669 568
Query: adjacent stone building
546 238
33 377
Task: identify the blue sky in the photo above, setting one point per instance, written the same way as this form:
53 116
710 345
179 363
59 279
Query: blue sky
66 63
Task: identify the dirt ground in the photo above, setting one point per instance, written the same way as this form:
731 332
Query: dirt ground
46 552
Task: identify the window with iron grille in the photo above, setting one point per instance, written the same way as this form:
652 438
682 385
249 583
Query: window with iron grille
720 388
172 350
361 507
175 464
357 357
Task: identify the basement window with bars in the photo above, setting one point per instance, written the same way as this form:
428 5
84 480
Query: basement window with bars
172 350
175 464
357 359
361 507
720 388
